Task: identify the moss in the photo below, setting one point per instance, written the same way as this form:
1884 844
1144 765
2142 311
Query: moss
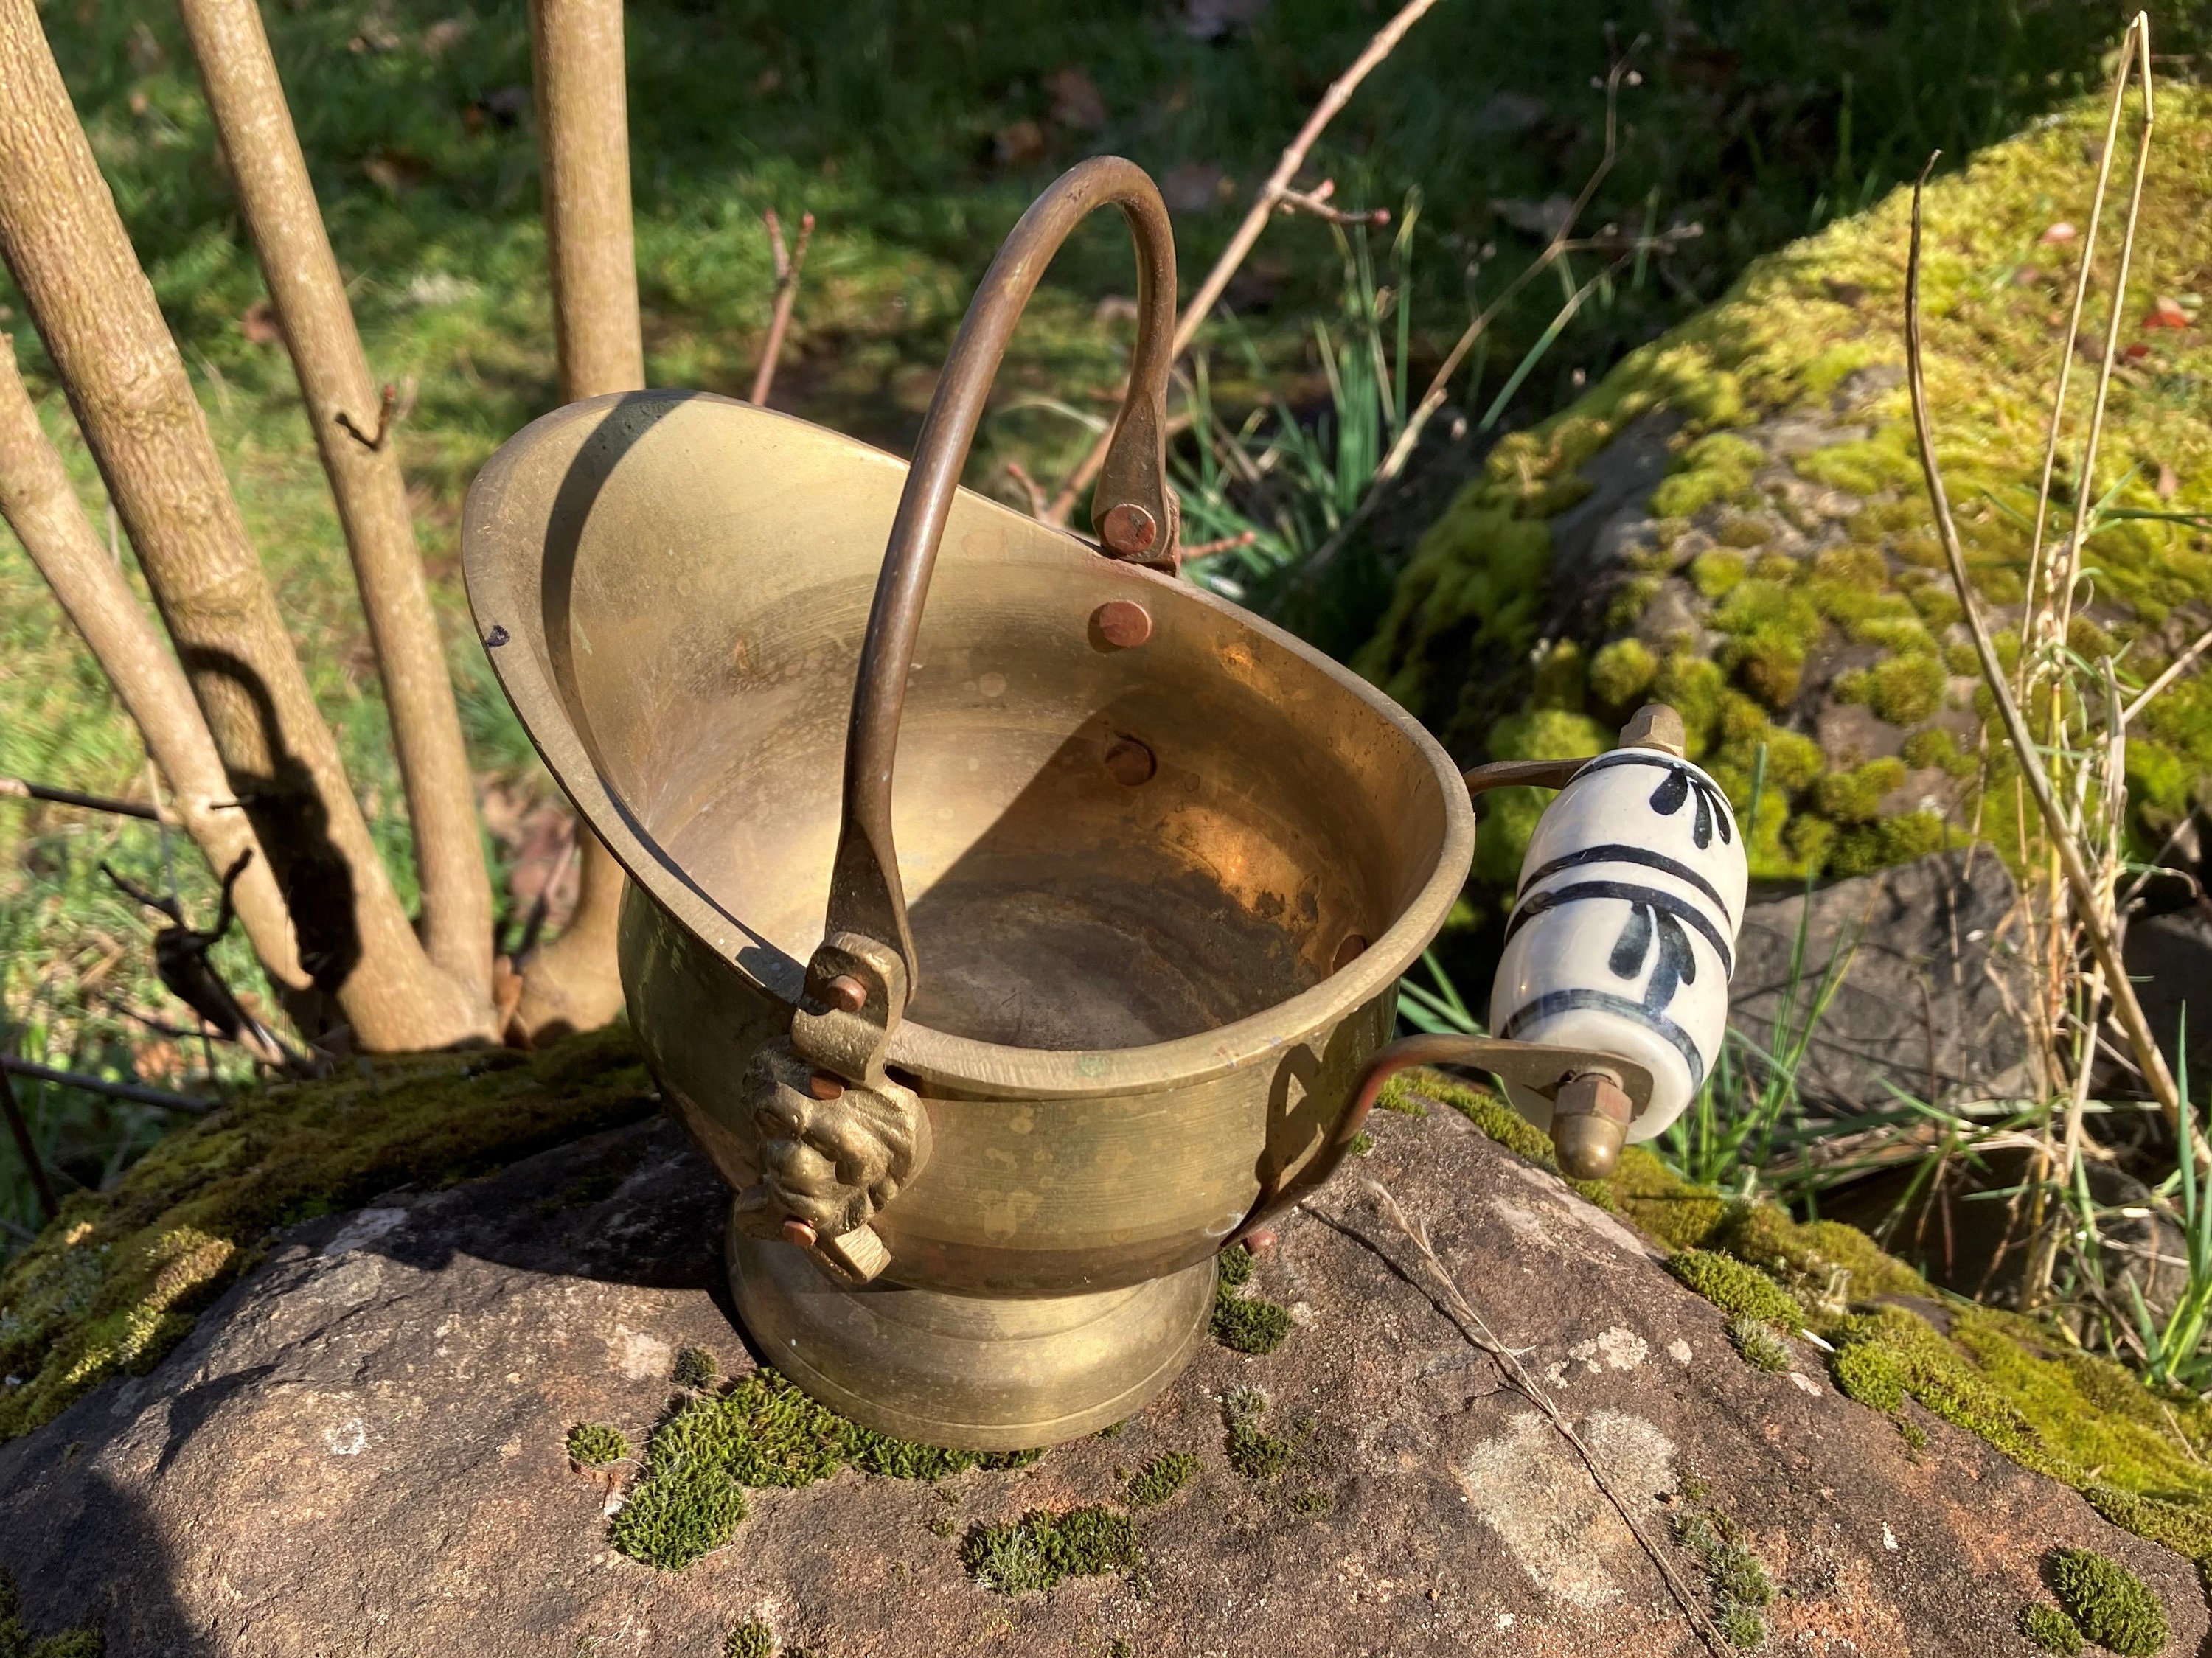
695 1368
1756 1342
1905 690
1312 1502
1937 749
1621 673
1233 1268
2186 1531
2051 1629
1252 1451
1363 1144
763 1431
1716 573
1770 627
1717 468
1736 1578
2111 1604
1561 679
751 1640
595 1443
1693 686
1855 797
121 1277
1509 815
1735 1288
1244 1323
1042 1549
1887 842
1161 1479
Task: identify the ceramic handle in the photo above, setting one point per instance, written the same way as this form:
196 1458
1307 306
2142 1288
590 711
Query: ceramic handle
1133 507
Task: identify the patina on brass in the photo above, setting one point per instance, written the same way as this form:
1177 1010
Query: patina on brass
997 1058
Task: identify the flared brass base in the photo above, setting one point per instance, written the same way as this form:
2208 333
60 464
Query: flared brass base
968 1372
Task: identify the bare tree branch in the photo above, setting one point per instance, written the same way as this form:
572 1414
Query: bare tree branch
787 267
247 98
44 512
66 248
583 123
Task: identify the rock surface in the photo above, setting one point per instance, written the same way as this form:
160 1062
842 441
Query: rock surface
1929 999
360 1450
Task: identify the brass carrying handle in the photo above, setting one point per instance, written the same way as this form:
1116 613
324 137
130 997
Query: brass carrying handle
1132 508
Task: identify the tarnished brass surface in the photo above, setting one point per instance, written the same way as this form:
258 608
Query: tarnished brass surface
1127 992
982 1374
1159 895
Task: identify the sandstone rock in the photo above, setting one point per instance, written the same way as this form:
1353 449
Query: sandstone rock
360 1449
1929 1001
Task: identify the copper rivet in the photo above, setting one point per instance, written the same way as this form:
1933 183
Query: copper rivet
1353 947
1262 1242
798 1232
1128 530
823 1086
1129 762
1122 624
846 993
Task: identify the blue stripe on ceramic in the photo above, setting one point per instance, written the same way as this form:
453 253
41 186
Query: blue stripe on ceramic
1683 783
1652 897
1614 853
1554 1002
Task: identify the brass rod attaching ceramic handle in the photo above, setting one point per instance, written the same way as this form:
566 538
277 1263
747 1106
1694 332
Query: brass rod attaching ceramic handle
1548 1071
1133 508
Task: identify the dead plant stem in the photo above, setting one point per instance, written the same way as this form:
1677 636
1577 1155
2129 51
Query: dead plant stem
788 264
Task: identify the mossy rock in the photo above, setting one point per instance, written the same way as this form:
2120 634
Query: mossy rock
121 1277
1791 537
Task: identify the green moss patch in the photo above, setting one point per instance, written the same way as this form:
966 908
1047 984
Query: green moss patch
1244 1323
16 1642
1161 1479
695 1368
1755 1340
2051 1629
1735 1288
595 1444
1042 1549
2109 1604
751 1640
1254 1452
120 1278
762 1432
1736 1578
1792 531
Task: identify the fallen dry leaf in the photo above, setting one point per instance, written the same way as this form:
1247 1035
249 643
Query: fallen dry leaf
2061 232
2167 312
2168 483
1021 144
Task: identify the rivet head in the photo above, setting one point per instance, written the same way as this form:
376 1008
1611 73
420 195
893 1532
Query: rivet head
823 1086
846 993
1128 530
1129 762
1122 624
798 1232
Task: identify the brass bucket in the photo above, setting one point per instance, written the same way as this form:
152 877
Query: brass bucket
1098 979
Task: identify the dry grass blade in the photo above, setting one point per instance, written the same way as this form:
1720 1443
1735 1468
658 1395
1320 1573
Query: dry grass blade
1477 1331
2065 842
2174 670
1270 197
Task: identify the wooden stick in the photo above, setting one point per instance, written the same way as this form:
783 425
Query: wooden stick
2101 943
583 123
136 1093
247 100
787 267
66 246
2174 670
14 788
1209 293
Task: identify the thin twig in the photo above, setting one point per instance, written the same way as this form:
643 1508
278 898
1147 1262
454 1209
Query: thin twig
16 788
1255 219
1035 493
1226 544
136 1094
386 404
2038 780
787 267
2174 670
1478 1334
1315 202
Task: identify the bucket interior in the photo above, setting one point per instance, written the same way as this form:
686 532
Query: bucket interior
1101 848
